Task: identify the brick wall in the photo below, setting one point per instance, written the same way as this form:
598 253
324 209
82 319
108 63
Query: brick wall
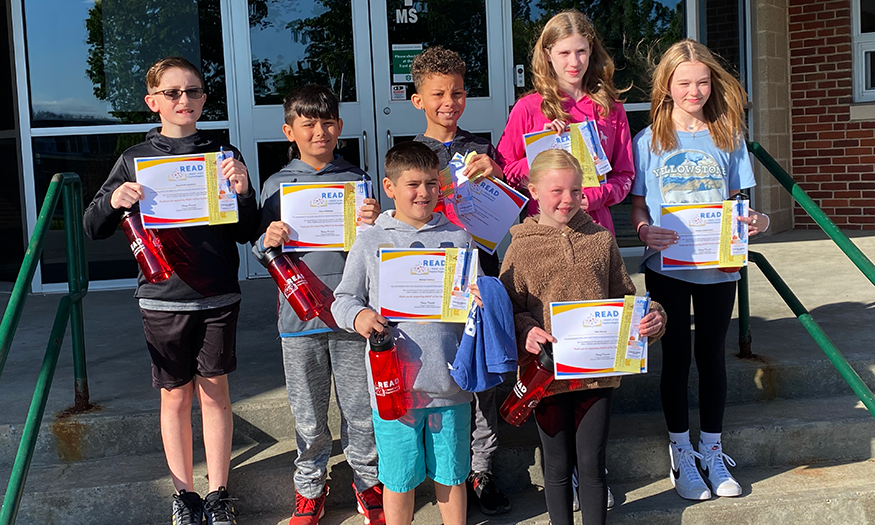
833 156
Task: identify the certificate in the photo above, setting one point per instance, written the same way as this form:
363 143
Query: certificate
590 335
582 141
709 235
322 217
184 190
494 207
426 285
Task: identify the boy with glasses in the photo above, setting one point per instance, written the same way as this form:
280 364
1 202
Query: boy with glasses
190 319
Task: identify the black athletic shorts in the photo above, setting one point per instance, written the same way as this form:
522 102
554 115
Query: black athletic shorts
185 344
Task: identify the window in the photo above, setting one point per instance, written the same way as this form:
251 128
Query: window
863 20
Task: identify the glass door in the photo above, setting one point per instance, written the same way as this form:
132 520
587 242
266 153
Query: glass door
403 28
288 44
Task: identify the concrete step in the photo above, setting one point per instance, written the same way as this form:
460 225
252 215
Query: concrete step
264 417
839 493
778 435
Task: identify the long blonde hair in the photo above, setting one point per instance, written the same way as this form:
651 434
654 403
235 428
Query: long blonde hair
724 110
553 159
598 81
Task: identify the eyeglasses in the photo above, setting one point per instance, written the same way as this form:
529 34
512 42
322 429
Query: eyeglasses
176 94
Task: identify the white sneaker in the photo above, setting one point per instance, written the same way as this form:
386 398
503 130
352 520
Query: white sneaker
684 475
713 467
610 498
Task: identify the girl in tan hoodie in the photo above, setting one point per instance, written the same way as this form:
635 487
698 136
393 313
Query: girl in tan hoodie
562 255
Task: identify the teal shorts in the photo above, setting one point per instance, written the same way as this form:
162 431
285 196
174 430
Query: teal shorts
433 442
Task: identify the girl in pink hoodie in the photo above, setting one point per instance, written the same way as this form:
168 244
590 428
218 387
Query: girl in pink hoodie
572 74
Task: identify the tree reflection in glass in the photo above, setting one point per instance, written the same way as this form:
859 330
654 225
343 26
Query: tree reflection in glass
110 45
301 42
629 29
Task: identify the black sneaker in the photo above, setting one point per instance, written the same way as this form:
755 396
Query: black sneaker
219 509
187 508
483 488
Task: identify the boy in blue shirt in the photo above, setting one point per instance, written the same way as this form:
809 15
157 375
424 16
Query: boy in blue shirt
315 350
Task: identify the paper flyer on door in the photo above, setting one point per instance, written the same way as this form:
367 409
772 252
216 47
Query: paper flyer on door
184 190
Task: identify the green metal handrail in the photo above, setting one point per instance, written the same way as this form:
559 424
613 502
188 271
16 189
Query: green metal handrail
829 348
822 219
69 187
844 243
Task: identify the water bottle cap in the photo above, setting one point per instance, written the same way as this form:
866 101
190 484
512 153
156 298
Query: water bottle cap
546 355
381 341
273 253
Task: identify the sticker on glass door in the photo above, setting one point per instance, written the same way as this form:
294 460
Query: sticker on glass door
402 59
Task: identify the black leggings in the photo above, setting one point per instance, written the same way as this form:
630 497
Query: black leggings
574 431
714 303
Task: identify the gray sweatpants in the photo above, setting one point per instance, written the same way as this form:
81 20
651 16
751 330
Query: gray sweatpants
483 439
309 362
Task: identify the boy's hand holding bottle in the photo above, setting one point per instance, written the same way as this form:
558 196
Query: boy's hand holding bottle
367 321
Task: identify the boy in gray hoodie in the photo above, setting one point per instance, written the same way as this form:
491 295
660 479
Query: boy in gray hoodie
432 438
316 349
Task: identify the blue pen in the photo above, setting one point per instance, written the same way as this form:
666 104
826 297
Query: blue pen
465 259
739 211
365 186
219 158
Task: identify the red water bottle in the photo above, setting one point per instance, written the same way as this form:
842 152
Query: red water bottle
147 249
293 284
386 373
530 388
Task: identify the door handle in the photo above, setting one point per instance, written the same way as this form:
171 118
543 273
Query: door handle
365 148
389 138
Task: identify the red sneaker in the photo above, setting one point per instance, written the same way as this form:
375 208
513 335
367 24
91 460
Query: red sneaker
370 504
308 511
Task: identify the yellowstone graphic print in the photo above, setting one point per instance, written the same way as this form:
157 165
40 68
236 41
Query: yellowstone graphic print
689 176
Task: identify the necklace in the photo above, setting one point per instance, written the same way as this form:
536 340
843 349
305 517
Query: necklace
695 128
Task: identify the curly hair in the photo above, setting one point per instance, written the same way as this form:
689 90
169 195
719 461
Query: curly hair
724 110
598 81
436 61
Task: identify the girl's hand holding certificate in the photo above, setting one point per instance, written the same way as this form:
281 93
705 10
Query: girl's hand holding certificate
651 324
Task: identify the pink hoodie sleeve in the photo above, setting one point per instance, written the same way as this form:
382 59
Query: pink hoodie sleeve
618 182
511 147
